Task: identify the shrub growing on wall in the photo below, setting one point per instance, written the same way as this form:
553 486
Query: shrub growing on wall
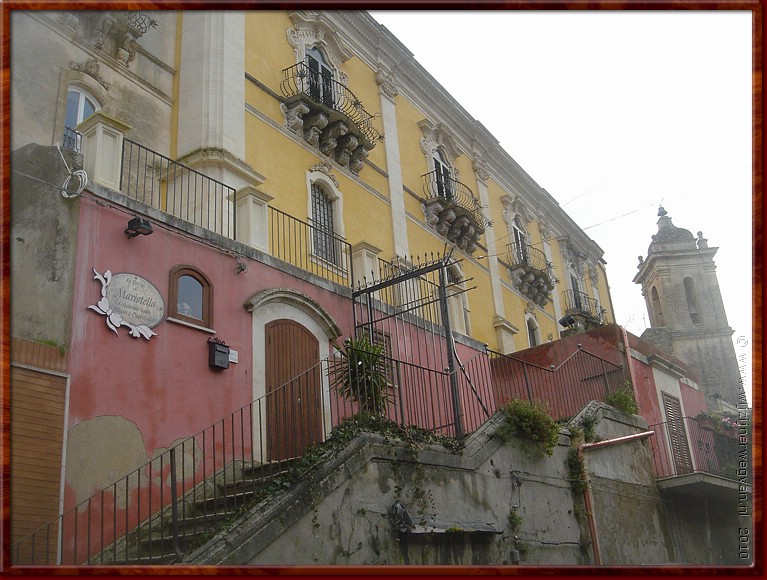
530 421
622 399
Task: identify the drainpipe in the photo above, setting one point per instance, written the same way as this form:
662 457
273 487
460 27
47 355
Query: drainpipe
587 490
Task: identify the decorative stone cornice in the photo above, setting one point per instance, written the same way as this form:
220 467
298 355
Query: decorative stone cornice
219 157
91 68
311 29
325 167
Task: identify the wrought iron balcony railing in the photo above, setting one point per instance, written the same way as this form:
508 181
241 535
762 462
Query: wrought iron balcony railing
72 140
330 94
437 185
526 255
581 303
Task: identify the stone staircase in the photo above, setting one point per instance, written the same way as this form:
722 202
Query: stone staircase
201 512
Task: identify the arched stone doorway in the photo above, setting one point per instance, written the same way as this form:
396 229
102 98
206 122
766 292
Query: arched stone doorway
291 339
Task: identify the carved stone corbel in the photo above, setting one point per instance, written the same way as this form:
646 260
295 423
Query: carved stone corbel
294 116
344 148
330 135
313 126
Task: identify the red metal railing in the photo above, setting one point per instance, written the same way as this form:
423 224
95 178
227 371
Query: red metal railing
158 512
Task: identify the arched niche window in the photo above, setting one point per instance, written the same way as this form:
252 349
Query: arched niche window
320 77
657 307
533 335
191 297
692 300
80 105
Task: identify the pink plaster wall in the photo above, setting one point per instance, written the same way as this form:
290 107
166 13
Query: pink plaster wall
164 385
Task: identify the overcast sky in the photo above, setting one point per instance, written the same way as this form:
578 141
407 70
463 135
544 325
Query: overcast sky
614 113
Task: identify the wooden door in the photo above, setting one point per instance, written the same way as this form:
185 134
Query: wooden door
294 389
677 435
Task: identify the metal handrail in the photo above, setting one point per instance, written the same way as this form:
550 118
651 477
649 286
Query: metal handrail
177 189
141 518
297 80
309 247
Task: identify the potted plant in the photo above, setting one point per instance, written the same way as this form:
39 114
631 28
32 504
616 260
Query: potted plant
362 377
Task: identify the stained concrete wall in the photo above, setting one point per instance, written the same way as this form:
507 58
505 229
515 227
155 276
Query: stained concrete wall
344 515
43 243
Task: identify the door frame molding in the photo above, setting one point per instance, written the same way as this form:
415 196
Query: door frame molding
276 304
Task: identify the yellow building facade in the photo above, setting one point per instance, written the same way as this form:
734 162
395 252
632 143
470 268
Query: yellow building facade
528 263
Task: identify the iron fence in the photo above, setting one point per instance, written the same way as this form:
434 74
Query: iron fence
174 188
693 446
316 250
564 389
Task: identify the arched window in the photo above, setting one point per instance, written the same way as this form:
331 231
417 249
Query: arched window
657 308
532 332
191 297
692 300
325 241
442 175
80 106
320 78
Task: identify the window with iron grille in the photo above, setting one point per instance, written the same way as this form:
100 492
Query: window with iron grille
324 239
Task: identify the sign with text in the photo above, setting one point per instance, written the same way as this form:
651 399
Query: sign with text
135 299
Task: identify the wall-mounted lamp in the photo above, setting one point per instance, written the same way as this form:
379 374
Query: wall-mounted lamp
567 321
138 225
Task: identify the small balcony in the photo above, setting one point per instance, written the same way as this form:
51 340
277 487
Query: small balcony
451 209
530 272
585 309
691 458
328 116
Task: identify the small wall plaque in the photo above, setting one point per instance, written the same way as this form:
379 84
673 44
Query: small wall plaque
129 300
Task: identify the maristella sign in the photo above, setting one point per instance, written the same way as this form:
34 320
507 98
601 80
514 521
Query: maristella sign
129 300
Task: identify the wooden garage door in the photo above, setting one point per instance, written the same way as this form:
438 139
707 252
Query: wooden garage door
37 433
294 386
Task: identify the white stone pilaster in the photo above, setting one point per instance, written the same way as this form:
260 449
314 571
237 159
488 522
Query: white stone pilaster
394 167
211 96
102 149
495 274
253 217
555 298
365 263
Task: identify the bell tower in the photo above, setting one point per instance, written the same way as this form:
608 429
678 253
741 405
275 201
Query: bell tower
687 316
